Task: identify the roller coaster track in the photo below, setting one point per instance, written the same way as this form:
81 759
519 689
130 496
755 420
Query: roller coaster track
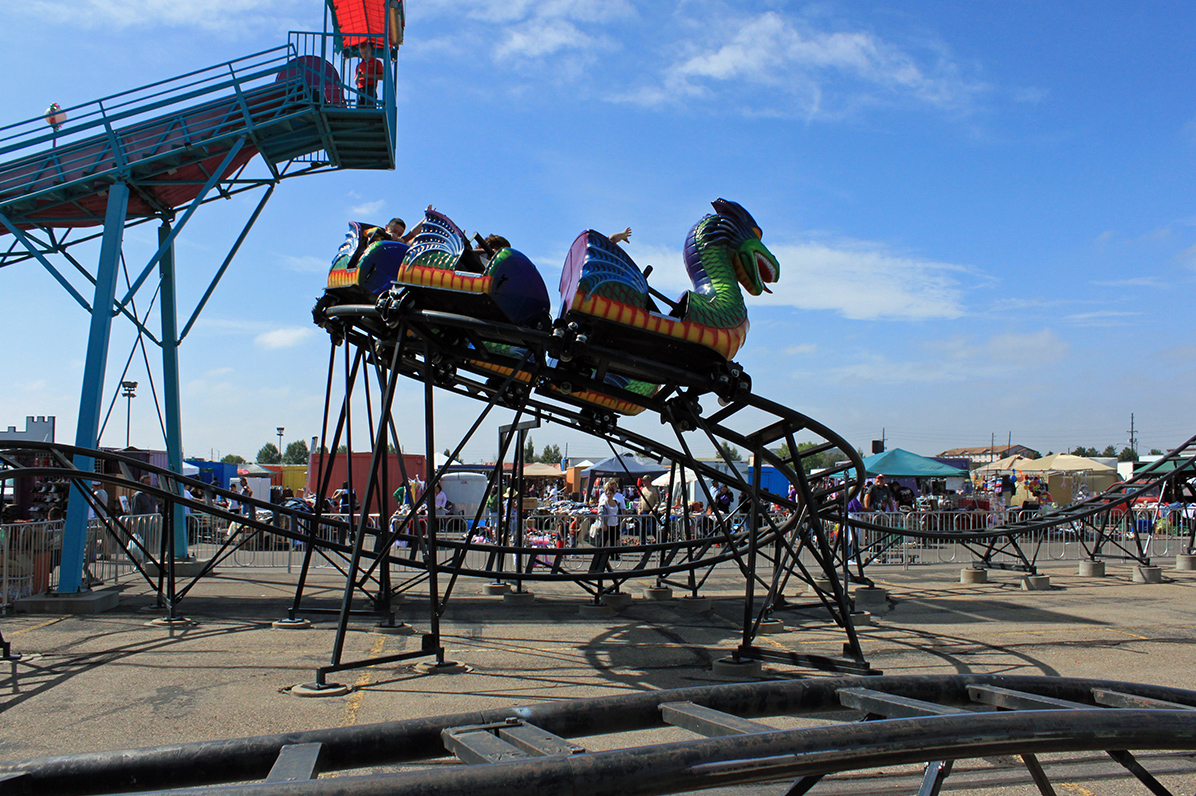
1046 728
450 352
461 355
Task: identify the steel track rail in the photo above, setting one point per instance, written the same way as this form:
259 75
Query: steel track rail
908 719
451 350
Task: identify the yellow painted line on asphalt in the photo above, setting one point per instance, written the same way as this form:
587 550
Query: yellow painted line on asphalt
47 623
363 679
1074 788
1128 633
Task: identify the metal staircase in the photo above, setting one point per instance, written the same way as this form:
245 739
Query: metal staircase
288 104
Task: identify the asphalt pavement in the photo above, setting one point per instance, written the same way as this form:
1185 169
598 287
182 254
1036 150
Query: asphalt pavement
114 680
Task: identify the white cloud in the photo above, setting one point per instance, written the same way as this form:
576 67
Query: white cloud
1009 348
859 280
960 359
238 17
801 348
538 38
822 73
1138 281
227 325
1100 318
862 281
1004 305
1188 257
283 338
513 11
307 264
367 210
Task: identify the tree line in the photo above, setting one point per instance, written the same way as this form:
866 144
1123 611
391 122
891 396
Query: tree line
1126 454
296 453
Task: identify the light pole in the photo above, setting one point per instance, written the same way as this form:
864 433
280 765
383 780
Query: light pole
280 430
129 391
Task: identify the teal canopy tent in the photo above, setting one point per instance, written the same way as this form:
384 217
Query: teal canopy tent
899 463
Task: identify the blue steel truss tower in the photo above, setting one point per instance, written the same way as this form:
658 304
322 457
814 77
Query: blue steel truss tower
157 154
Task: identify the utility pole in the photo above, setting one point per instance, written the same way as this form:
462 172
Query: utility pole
1133 443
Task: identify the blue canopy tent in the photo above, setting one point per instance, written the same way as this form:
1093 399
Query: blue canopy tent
899 463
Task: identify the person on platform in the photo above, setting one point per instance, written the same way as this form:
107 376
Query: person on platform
369 72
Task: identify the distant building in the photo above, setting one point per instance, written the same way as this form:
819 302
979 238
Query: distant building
989 453
37 429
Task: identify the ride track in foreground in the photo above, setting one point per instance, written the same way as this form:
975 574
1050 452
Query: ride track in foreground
742 734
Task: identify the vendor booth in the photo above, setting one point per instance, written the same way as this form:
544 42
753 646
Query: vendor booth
1061 479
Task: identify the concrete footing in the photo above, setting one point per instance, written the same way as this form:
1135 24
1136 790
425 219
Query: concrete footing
168 621
617 601
441 667
819 584
290 624
495 588
1092 569
85 602
695 604
771 626
870 595
519 598
861 618
1185 563
594 610
397 629
317 690
1148 574
658 593
729 667
973 576
1036 583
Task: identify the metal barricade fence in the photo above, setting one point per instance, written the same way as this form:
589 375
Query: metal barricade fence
31 551
1162 533
110 555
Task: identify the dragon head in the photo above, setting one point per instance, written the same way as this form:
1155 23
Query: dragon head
755 265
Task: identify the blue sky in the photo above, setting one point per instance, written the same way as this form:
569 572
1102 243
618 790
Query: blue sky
983 211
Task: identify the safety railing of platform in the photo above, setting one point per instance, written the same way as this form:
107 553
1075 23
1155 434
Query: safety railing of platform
111 133
84 120
334 75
